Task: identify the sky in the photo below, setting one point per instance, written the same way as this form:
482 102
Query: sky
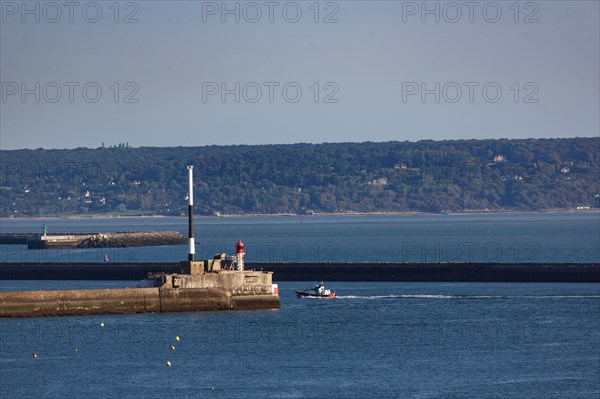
194 73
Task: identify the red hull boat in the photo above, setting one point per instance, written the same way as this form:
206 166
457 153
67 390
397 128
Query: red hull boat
318 291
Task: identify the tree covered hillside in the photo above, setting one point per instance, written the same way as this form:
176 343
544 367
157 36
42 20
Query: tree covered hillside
429 176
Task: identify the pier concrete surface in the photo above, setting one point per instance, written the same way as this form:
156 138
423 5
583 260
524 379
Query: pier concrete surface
225 290
78 302
93 240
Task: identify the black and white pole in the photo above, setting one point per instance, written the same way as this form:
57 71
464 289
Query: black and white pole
192 249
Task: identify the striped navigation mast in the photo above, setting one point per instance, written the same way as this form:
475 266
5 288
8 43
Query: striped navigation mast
192 244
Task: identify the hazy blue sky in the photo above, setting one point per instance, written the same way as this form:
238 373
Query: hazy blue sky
367 71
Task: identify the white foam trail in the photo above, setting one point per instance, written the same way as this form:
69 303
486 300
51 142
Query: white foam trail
440 296
397 296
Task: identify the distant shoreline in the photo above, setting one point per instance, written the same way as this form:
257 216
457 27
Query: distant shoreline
316 214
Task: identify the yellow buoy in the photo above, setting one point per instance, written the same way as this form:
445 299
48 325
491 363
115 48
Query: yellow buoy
177 338
172 347
168 363
102 324
34 355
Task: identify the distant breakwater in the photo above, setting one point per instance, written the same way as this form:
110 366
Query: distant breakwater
457 272
94 240
133 239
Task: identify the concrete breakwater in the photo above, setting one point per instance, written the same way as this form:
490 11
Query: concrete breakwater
71 302
133 239
25 238
94 240
475 272
211 291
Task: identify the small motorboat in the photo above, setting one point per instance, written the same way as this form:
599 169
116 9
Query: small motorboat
318 291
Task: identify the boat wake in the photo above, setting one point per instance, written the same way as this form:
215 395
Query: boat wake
396 296
434 296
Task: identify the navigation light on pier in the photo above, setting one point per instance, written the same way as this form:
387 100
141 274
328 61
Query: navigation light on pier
239 254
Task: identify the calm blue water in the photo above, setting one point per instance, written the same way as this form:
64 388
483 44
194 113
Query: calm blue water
376 340
563 237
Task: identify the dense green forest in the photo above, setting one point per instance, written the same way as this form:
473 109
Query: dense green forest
426 176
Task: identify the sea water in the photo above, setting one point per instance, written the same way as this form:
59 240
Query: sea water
516 238
375 340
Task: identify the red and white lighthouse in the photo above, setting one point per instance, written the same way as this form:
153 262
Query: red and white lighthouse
239 254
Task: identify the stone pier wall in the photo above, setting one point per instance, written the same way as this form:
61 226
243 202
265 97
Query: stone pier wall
211 291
